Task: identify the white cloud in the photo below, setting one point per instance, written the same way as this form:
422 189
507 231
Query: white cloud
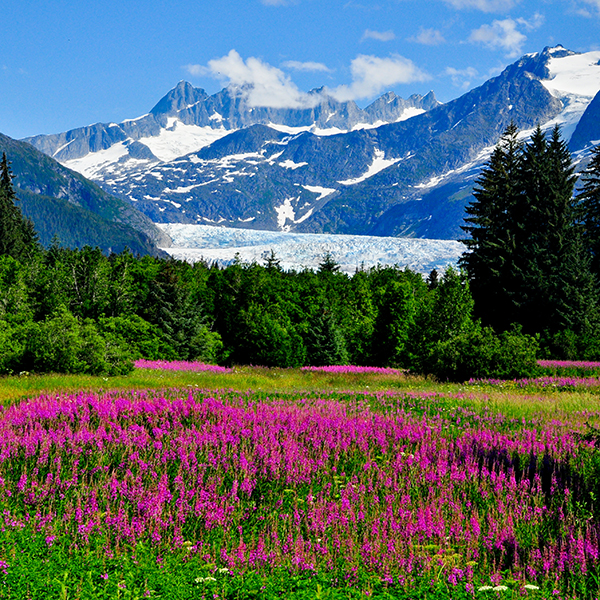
461 77
371 75
428 37
488 6
593 3
380 36
306 66
261 83
197 70
505 35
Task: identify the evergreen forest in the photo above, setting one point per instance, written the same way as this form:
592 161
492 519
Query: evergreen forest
526 288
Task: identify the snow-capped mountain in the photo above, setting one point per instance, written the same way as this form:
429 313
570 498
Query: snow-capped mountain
188 119
331 168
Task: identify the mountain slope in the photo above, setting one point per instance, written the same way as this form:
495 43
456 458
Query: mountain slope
587 132
187 119
362 182
276 169
62 202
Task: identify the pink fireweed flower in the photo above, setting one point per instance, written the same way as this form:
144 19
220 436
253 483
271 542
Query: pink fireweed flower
547 382
179 365
392 483
566 364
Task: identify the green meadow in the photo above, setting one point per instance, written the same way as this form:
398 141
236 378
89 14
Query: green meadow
282 483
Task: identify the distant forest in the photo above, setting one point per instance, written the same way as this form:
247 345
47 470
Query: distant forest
527 288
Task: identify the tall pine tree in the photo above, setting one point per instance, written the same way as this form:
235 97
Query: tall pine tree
556 284
17 234
589 204
527 262
493 231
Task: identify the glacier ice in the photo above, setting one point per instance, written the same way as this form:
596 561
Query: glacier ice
306 250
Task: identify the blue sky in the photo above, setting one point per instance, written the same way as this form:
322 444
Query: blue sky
68 63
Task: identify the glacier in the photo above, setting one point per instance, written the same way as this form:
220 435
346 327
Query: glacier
224 245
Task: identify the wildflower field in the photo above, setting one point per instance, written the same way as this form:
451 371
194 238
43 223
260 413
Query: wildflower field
416 490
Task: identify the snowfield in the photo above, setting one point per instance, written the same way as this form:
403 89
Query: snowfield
306 250
574 80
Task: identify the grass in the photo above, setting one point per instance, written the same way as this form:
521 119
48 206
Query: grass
14 388
54 560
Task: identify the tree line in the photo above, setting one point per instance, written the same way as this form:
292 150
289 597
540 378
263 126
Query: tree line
527 285
534 243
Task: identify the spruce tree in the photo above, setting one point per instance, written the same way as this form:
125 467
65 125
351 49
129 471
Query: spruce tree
527 263
493 230
17 234
589 204
554 276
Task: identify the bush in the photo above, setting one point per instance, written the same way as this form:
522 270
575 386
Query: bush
12 347
481 354
145 340
269 339
64 344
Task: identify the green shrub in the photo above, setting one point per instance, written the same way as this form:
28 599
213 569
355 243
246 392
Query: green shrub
145 340
64 344
479 353
12 347
269 339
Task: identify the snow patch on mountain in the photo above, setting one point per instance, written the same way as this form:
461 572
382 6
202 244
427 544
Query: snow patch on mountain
311 128
322 191
285 212
178 139
575 80
305 250
577 74
95 164
290 164
410 112
379 164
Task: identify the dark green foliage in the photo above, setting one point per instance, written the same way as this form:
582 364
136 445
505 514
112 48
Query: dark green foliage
589 199
143 339
325 341
494 233
481 354
444 314
556 282
529 261
17 235
76 227
62 344
400 302
267 337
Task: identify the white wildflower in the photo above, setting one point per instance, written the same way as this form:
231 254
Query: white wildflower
204 579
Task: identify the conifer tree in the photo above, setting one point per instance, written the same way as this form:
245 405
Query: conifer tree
589 199
555 278
493 231
527 263
17 234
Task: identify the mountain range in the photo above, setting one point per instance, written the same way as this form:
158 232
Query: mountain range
65 205
395 168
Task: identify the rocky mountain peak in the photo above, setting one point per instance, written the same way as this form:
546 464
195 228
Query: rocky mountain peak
182 96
